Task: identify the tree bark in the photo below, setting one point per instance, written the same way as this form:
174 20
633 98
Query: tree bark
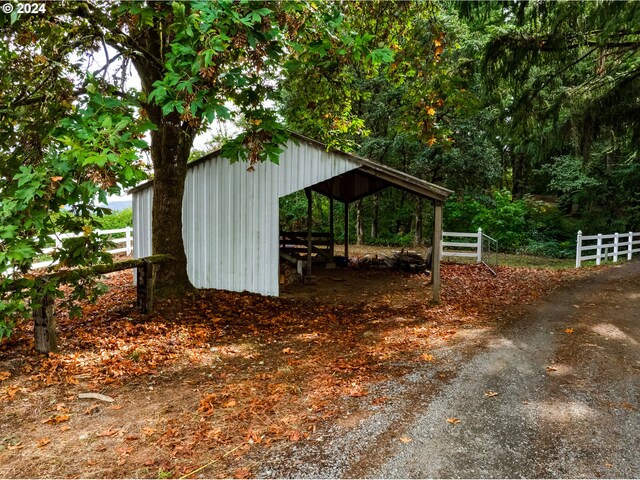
359 223
171 145
375 220
418 223
170 148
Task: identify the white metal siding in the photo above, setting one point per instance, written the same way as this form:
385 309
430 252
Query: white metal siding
141 206
230 216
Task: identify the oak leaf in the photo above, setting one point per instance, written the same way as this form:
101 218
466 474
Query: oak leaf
55 419
43 442
242 473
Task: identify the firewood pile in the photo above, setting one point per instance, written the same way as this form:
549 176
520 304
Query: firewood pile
408 261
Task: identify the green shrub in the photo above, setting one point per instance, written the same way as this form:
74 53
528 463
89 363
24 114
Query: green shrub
116 220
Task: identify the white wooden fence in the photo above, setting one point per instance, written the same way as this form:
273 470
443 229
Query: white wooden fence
122 237
468 245
613 245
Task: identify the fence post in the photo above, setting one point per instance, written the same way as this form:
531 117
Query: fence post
128 237
479 247
616 238
144 287
579 249
599 249
630 248
46 338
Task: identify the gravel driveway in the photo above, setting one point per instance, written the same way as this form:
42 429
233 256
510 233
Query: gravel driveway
555 393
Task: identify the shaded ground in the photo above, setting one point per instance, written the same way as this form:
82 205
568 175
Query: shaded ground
221 385
553 392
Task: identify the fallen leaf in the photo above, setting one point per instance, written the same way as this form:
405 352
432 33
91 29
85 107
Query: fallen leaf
148 431
453 420
111 432
64 428
43 442
91 462
54 420
490 393
294 436
242 473
427 357
568 330
406 439
4 375
287 351
628 406
91 409
551 369
116 407
229 404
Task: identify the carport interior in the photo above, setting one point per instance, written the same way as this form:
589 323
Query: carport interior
361 182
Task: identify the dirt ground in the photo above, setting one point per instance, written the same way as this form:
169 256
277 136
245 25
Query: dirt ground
553 392
221 384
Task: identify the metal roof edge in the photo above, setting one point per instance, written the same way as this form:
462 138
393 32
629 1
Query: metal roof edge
373 167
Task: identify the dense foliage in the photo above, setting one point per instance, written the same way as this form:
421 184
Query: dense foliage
502 102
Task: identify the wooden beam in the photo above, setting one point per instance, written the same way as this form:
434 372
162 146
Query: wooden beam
346 230
435 254
309 194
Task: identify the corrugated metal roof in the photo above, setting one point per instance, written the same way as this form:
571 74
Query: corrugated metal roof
371 177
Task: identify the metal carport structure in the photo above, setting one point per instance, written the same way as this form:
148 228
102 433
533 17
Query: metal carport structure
231 217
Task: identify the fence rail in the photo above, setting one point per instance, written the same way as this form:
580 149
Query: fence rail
122 237
602 247
477 245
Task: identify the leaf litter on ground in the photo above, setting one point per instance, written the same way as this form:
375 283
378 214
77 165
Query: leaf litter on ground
223 369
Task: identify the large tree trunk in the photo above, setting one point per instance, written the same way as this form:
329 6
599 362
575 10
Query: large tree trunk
375 221
170 148
519 171
359 223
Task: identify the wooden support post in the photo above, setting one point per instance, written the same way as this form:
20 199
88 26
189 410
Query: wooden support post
145 287
437 250
45 323
331 229
346 231
309 194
